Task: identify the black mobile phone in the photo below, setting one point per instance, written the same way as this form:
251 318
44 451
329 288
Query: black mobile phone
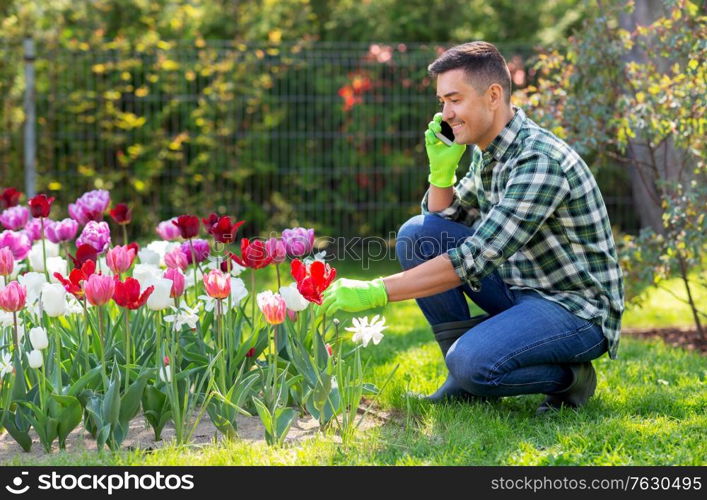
446 135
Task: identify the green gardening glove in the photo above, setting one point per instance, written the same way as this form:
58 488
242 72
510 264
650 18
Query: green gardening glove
444 159
354 295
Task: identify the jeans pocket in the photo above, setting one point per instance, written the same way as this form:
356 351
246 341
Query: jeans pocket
593 352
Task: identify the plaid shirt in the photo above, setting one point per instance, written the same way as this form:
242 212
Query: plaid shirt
540 220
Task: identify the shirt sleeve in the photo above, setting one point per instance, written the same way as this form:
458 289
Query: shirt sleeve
536 187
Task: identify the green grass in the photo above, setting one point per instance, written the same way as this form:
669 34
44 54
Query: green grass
649 410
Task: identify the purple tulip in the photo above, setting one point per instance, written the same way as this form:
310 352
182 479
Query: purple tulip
61 231
34 228
298 241
96 234
14 218
201 250
17 241
276 249
167 230
90 206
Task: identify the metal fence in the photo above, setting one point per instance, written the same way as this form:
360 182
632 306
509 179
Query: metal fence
323 135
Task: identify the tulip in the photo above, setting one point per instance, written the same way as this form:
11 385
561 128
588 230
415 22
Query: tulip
17 241
13 297
201 250
120 259
99 289
40 205
35 359
161 298
7 262
276 249
292 315
146 274
56 265
127 294
218 284
166 373
73 285
33 283
221 228
90 206
298 241
33 229
178 282
176 259
188 225
272 306
148 256
60 231
14 218
122 214
38 253
168 230
53 300
250 353
10 197
38 338
312 279
96 234
253 255
84 253
294 300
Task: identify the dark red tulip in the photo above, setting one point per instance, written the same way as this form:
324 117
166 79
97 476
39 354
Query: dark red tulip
40 205
210 221
121 214
253 255
312 279
250 353
127 294
188 225
10 197
223 230
84 253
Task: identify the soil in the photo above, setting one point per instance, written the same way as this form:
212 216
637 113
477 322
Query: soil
685 337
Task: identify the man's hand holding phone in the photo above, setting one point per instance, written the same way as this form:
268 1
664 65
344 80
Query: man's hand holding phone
444 159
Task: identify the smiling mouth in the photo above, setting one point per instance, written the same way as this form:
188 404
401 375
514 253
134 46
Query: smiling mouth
456 126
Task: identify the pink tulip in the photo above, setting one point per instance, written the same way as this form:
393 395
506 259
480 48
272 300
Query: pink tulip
7 262
33 228
273 307
178 282
14 218
17 241
276 249
99 289
13 297
60 231
218 284
96 234
120 258
90 206
298 241
292 315
176 259
167 230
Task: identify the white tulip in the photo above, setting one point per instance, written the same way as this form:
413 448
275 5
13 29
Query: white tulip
148 256
238 291
36 360
73 306
57 265
146 274
36 258
6 364
159 298
293 299
54 299
33 282
38 338
166 374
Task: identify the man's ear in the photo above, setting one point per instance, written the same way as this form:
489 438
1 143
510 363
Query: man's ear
495 95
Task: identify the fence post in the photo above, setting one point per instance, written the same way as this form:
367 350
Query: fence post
30 135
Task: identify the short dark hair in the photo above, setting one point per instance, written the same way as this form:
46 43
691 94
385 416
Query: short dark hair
481 61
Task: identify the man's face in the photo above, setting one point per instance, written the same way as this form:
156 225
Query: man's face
468 112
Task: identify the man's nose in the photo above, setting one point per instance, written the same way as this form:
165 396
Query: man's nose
447 113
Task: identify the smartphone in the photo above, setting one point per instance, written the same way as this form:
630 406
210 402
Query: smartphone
446 135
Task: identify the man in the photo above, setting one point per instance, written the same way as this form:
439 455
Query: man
524 234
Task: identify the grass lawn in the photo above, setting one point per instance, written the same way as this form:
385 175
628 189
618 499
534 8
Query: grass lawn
649 410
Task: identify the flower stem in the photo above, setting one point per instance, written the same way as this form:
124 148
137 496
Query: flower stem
44 249
193 259
125 234
277 270
101 338
127 349
252 298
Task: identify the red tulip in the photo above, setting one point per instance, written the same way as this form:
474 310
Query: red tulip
10 197
312 279
253 255
84 253
122 214
40 205
76 277
188 225
250 353
224 231
127 294
210 221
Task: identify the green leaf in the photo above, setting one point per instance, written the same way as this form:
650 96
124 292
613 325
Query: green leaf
18 433
284 417
68 411
110 410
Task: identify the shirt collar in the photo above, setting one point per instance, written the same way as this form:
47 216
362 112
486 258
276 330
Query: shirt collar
505 138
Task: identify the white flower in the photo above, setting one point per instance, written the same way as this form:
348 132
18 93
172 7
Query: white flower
6 364
166 374
161 247
56 265
54 299
159 298
33 282
183 316
147 274
148 256
293 299
35 359
38 338
73 306
364 332
6 318
102 266
36 260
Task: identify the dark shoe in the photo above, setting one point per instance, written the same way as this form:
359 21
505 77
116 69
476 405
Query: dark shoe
583 385
445 335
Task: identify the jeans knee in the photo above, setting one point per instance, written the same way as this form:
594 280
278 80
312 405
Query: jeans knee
473 373
405 241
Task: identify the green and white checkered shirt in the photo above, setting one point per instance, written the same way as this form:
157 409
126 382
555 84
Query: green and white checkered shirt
539 218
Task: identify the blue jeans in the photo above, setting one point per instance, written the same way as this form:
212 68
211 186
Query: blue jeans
526 344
